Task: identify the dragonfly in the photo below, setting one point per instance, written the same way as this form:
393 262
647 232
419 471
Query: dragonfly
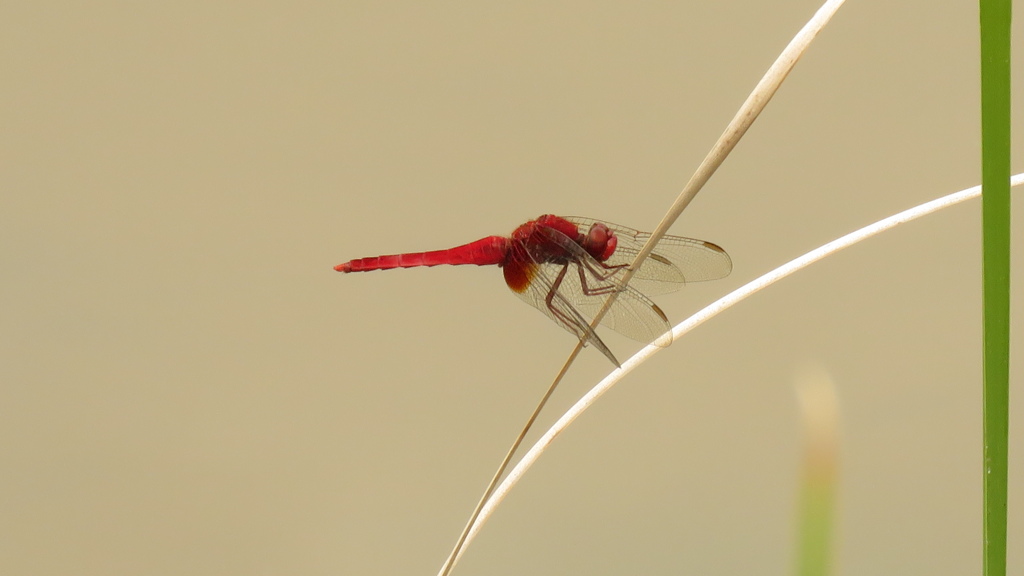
567 267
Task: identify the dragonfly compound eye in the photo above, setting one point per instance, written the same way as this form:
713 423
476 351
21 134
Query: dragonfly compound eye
609 247
600 242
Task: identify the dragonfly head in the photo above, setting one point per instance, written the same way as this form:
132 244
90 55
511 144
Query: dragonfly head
600 242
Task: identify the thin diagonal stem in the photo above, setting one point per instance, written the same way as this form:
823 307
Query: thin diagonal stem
746 115
743 119
456 551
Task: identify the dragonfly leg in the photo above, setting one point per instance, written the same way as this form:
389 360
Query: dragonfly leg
558 313
597 291
577 325
606 271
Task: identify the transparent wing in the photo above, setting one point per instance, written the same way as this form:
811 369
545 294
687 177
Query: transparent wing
675 260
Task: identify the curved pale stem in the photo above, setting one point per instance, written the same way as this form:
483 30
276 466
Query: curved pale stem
703 316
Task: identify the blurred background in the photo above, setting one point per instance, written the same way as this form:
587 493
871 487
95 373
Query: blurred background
186 386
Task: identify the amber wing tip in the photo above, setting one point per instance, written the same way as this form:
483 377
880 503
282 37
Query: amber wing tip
346 267
713 246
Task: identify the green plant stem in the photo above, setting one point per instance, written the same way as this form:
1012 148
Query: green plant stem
995 151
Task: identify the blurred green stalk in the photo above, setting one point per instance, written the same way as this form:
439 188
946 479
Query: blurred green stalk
819 410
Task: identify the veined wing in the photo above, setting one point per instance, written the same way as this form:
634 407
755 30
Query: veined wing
675 260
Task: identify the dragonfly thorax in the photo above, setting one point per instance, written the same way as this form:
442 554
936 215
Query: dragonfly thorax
599 241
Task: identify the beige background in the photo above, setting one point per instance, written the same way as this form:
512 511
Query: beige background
188 388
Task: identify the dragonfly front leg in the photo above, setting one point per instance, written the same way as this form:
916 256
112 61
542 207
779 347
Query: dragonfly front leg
606 271
600 290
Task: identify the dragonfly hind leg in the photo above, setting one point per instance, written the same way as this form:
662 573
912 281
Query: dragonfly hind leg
576 323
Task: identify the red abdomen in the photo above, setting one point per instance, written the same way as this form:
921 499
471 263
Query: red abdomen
483 252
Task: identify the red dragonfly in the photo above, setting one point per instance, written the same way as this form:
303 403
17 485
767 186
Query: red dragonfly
567 267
